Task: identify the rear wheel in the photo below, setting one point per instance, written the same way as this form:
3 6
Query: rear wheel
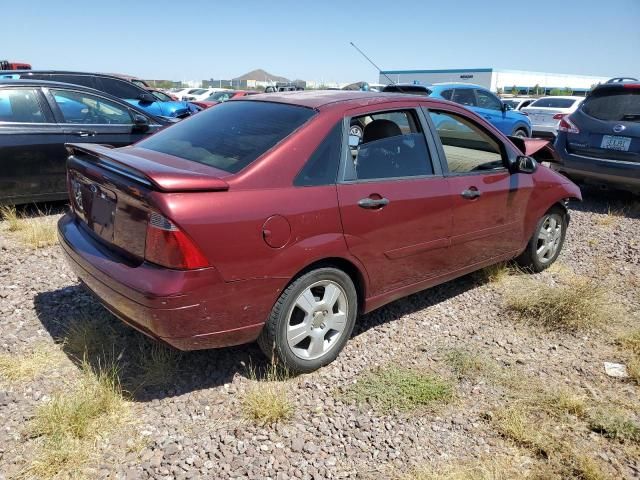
520 132
311 321
546 242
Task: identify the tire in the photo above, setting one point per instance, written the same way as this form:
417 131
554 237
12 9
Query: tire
520 132
535 257
311 321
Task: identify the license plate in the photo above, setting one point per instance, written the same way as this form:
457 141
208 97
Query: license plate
103 205
613 142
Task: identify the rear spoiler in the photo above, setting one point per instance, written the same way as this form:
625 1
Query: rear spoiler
540 149
158 176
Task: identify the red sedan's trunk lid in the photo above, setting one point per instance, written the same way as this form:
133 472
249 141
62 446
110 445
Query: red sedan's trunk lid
111 190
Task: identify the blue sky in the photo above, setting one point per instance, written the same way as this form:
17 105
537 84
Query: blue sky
200 39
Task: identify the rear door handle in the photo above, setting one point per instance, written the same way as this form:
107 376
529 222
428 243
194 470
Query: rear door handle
373 203
84 133
471 193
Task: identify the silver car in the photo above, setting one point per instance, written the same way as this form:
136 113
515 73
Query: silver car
546 112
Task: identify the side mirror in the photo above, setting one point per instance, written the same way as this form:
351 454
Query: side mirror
505 107
524 164
140 122
354 141
147 98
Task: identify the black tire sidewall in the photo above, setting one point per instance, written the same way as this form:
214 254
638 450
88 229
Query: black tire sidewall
276 328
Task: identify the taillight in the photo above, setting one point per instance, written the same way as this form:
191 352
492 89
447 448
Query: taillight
566 125
559 116
631 85
168 246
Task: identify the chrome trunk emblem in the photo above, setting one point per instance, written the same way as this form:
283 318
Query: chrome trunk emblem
619 128
77 194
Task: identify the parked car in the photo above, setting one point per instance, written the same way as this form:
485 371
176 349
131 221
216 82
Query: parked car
129 91
599 143
162 96
37 118
476 98
546 112
256 219
222 96
518 103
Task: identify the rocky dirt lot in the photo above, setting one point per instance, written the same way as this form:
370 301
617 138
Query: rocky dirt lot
455 382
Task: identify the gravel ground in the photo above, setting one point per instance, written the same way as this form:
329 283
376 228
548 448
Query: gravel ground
193 426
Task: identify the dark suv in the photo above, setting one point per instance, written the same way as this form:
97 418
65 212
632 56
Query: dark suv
600 142
113 85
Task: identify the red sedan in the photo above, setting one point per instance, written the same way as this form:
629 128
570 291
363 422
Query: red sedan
263 218
219 97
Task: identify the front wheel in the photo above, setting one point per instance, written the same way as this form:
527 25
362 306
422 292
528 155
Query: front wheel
546 242
311 321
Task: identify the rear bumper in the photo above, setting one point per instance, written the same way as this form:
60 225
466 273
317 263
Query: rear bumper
545 130
615 173
187 309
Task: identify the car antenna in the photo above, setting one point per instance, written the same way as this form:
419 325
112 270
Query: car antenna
377 67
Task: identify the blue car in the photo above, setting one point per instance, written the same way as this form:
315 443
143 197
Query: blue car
475 98
123 88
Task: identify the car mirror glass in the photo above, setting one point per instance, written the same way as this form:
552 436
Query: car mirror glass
525 164
354 141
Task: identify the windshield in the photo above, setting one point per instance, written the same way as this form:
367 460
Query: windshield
551 102
219 96
614 106
230 136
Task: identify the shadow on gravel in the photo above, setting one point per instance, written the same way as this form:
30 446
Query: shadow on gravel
623 204
147 369
31 210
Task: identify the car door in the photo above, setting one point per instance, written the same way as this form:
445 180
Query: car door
86 117
490 107
488 202
32 153
394 200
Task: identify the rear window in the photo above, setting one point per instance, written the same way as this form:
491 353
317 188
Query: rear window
554 103
230 136
614 106
412 89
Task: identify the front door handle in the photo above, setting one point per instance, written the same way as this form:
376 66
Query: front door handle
373 203
84 133
471 193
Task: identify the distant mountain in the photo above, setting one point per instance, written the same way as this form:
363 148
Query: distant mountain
261 76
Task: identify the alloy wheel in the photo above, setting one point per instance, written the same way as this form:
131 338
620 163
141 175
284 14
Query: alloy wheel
549 238
317 320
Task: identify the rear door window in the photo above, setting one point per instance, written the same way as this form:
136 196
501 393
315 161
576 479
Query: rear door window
464 96
614 106
20 105
230 136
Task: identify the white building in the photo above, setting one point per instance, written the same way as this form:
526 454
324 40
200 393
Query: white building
494 79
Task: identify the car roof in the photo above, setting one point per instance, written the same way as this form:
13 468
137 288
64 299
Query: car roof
564 97
458 85
10 82
322 98
69 72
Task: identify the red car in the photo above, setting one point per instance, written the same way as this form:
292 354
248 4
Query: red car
222 96
264 219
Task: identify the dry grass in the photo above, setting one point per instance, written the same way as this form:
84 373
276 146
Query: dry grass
26 367
487 468
574 303
67 427
614 424
266 401
35 232
158 363
631 342
612 217
397 388
10 215
469 365
497 273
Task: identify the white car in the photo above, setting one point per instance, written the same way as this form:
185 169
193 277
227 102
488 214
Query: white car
517 103
546 112
200 94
